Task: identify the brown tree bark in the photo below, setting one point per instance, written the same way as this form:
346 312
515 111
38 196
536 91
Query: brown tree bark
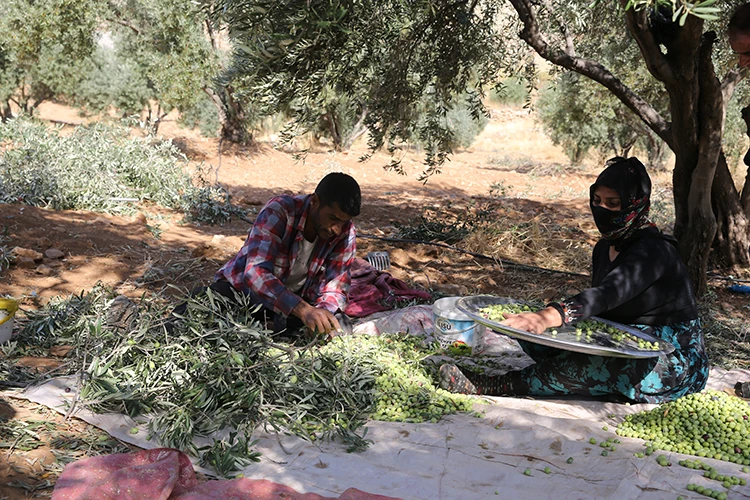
745 199
343 139
733 227
5 112
232 117
657 150
332 124
698 236
357 131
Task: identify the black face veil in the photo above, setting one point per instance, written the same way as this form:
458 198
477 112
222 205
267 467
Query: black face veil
629 179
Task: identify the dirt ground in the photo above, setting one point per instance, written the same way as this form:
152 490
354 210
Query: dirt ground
512 170
154 247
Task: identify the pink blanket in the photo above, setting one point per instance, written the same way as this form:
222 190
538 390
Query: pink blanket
166 473
374 291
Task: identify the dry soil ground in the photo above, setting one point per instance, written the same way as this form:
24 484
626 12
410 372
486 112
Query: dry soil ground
512 176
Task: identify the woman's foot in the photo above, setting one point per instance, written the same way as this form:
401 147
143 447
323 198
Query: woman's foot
453 380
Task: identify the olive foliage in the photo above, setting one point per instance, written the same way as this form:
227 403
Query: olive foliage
664 60
42 49
404 64
159 59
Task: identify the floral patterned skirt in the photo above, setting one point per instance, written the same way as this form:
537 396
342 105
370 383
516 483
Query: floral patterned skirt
652 380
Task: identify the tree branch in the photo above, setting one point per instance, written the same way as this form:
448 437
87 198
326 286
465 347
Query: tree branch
211 35
590 69
127 24
639 27
569 46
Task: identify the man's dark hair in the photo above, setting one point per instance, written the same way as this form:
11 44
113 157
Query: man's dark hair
740 20
342 190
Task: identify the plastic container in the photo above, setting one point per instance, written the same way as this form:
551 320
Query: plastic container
454 329
8 308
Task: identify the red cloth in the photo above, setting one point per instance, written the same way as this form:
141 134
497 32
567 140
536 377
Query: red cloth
262 489
167 474
374 291
149 474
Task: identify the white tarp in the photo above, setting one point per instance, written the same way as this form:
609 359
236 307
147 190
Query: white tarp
465 457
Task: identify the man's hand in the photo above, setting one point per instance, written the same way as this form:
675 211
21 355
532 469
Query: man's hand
534 322
316 319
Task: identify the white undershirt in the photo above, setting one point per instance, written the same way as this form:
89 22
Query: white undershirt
298 273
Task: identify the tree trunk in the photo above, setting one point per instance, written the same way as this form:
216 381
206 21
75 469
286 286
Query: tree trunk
655 150
6 113
700 233
234 127
745 199
156 123
682 62
357 130
626 148
683 97
231 116
331 120
733 235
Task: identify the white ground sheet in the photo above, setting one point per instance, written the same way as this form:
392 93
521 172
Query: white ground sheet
465 457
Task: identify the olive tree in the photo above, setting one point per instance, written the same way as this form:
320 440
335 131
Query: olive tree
389 56
127 55
679 51
160 57
392 54
581 115
43 46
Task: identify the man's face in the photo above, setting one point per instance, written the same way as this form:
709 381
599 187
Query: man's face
328 221
740 43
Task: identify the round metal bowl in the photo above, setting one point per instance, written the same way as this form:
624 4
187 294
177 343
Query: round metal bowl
598 343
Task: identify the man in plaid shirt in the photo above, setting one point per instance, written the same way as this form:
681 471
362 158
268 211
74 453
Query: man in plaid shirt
296 259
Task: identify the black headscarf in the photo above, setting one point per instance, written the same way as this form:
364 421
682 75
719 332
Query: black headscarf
627 177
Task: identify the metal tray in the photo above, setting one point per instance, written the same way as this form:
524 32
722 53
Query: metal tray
600 343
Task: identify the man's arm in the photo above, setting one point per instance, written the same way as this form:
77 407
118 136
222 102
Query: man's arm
333 294
262 247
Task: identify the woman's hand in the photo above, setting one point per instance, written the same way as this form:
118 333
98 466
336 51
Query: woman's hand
535 322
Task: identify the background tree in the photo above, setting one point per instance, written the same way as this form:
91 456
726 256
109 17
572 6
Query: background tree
44 46
598 116
387 55
678 52
132 56
335 116
160 58
580 115
393 54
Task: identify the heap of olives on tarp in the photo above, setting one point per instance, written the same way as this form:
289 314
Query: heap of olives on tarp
709 424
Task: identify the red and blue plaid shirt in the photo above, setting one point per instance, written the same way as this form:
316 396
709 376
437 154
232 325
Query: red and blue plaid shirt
263 264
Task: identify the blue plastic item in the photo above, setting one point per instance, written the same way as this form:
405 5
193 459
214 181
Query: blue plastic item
739 288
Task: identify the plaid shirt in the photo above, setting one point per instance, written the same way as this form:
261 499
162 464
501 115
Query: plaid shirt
263 264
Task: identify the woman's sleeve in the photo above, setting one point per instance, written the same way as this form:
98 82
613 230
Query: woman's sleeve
640 266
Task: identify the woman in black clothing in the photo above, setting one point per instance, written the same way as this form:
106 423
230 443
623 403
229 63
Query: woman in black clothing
637 279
